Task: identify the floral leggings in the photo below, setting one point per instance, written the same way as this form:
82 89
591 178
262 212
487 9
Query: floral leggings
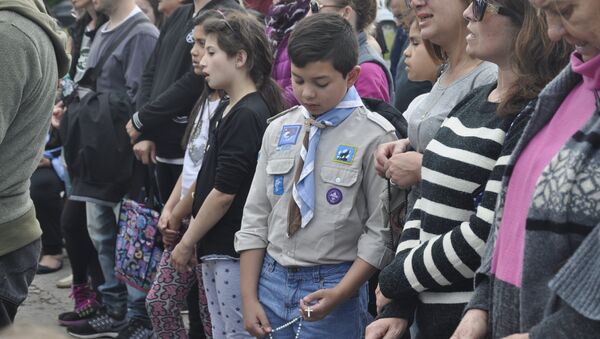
167 297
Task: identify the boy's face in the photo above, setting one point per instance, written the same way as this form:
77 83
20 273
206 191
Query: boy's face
319 87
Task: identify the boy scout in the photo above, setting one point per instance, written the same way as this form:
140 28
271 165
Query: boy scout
314 202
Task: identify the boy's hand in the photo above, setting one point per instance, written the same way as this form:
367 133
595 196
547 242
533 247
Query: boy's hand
319 304
255 319
386 328
386 151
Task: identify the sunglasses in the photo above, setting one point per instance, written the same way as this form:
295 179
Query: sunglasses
316 7
480 7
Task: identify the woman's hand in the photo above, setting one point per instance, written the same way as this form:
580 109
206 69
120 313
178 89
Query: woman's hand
385 151
168 235
404 169
386 328
380 299
472 326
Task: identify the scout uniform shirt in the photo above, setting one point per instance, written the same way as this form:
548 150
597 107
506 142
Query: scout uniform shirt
348 218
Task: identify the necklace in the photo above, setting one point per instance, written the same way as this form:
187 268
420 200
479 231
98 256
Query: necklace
288 324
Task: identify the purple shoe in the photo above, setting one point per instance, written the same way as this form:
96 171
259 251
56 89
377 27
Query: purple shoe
86 306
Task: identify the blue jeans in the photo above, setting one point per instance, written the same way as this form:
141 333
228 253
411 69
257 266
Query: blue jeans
280 290
116 296
17 270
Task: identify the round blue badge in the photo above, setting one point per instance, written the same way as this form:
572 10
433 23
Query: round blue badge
334 196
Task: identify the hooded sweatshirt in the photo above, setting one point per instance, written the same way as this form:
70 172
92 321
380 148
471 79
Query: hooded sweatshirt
33 58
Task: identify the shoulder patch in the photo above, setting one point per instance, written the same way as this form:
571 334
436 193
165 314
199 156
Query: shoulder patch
381 121
279 115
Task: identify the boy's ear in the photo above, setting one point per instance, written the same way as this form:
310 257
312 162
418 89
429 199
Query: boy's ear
240 58
352 76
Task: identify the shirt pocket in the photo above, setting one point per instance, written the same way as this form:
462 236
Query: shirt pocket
278 177
338 192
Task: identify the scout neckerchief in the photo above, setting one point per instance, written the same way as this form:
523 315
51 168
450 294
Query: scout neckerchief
302 205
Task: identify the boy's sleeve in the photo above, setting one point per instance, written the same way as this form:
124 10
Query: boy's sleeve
254 229
372 243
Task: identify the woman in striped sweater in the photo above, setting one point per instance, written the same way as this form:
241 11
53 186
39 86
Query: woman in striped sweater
444 236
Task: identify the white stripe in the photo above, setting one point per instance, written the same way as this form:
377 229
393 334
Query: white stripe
412 224
485 214
461 155
444 180
444 211
410 274
503 160
406 245
456 126
430 265
493 186
477 243
426 236
445 297
453 257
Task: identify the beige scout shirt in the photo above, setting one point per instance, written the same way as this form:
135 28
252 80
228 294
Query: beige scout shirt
348 217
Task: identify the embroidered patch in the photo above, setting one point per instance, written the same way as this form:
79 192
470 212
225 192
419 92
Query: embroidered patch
345 154
278 185
289 134
334 196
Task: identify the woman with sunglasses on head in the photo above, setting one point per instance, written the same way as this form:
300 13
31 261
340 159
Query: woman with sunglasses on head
540 272
444 235
442 25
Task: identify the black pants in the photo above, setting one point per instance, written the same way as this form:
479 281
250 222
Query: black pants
80 249
46 190
166 178
17 270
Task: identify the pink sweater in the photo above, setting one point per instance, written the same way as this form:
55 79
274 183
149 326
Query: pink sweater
577 108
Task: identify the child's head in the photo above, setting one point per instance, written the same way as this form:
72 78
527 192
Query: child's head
420 65
360 13
199 36
236 47
323 51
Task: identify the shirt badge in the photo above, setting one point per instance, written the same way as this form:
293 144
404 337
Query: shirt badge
190 37
345 154
334 196
289 134
278 185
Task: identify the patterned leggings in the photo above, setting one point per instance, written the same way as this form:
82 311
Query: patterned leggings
167 297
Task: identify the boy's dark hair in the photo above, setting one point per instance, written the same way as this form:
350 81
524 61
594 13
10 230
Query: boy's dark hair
324 37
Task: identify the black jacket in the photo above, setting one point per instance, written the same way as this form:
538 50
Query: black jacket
170 88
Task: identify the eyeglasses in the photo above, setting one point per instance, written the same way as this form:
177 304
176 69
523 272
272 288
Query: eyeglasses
482 6
316 7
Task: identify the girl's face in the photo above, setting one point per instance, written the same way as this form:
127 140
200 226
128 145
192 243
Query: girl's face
576 21
492 38
420 66
145 6
220 70
81 4
198 49
168 6
439 19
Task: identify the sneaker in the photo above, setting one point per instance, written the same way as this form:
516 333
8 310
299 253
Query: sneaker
136 329
100 325
65 282
86 305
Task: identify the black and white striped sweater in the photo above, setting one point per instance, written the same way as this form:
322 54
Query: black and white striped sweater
444 236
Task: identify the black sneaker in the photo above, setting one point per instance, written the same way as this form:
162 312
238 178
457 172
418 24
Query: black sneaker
136 329
100 325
